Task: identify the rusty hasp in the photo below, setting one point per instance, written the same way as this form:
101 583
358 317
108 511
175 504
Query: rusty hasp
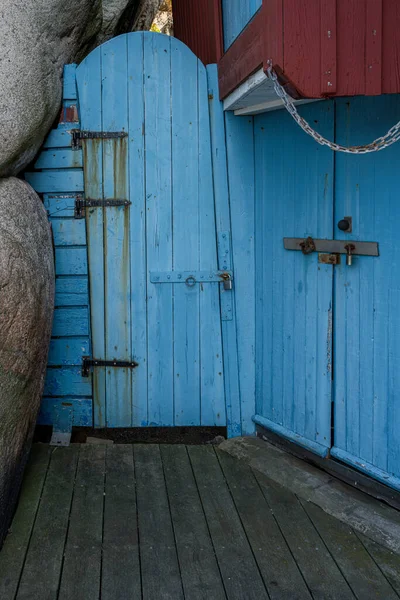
309 245
77 135
82 203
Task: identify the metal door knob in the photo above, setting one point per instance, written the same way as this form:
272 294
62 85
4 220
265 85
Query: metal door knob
344 225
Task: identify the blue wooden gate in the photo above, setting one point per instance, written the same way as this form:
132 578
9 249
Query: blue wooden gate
154 273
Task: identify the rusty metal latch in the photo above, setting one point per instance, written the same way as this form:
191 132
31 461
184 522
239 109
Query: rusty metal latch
82 203
88 363
309 245
77 135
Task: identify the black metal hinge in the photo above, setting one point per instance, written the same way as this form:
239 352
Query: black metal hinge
88 363
77 135
81 203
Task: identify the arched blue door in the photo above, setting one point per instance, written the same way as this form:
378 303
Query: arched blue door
154 274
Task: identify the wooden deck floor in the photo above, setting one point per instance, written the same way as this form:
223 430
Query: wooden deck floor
126 522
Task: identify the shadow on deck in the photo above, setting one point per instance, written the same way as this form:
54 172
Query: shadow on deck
126 522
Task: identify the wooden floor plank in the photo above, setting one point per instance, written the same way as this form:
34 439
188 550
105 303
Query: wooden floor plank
320 571
41 574
161 578
80 578
387 561
200 573
15 547
361 572
236 561
121 566
276 563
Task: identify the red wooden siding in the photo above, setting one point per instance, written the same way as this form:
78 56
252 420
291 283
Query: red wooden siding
198 23
326 47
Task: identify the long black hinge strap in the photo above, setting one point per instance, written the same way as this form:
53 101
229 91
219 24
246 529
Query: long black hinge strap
77 135
82 203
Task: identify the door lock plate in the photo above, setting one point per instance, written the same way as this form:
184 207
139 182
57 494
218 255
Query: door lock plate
329 259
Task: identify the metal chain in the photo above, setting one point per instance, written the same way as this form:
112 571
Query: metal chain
392 136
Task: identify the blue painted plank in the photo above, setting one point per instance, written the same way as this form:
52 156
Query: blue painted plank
116 243
64 158
212 409
71 261
67 381
157 78
61 205
221 193
89 81
68 351
82 412
185 228
293 199
240 155
72 291
56 181
70 321
69 82
137 228
367 325
59 138
69 232
236 15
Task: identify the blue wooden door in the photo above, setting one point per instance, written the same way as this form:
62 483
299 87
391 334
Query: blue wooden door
367 295
294 198
153 267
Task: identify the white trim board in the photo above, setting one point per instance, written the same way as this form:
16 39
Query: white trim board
256 95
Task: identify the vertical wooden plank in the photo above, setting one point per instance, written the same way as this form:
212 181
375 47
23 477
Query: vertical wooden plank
234 555
294 369
89 82
373 48
390 47
157 90
116 232
223 223
12 555
328 47
120 560
42 569
161 578
351 47
212 410
138 262
82 563
367 348
302 25
240 156
185 227
200 573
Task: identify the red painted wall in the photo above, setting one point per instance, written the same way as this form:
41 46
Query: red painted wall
325 47
198 23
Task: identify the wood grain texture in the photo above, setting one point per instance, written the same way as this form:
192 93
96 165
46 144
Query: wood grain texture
46 547
232 549
120 557
199 569
161 579
13 553
80 578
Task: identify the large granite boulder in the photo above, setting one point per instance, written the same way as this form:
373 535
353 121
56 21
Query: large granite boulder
37 38
26 314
